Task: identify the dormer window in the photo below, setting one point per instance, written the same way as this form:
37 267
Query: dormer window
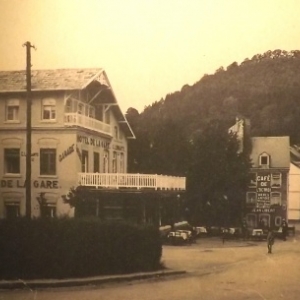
264 160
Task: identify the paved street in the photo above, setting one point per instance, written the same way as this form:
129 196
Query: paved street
235 270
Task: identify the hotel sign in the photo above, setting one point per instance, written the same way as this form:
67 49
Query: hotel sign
89 140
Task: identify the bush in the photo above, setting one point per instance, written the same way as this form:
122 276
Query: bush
66 248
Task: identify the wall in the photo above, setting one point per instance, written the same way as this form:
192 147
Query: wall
262 209
294 193
69 144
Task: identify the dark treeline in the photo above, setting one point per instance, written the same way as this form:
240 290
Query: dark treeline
265 89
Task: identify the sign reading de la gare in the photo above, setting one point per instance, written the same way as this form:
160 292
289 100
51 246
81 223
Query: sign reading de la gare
45 184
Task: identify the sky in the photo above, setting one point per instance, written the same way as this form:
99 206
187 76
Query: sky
148 48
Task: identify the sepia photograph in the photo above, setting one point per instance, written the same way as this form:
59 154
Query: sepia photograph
149 150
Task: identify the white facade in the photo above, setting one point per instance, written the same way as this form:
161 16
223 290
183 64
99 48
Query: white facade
79 136
72 131
294 193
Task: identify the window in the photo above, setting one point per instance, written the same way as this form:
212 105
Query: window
47 203
276 180
275 198
91 112
12 161
48 162
251 198
265 219
278 221
264 160
114 163
81 108
68 107
84 161
96 162
121 162
49 109
12 110
12 201
105 162
252 220
99 113
48 211
12 210
253 182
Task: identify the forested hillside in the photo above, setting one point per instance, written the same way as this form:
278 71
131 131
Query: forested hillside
265 88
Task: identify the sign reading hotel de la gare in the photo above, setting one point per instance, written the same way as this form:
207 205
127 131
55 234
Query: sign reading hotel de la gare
89 140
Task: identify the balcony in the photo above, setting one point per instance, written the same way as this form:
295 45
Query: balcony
75 119
132 181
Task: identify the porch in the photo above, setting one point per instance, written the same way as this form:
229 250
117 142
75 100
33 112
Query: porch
132 181
77 119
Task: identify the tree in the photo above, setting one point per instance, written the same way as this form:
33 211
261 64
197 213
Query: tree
74 198
217 177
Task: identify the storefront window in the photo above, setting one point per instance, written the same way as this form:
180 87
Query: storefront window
275 198
251 198
12 211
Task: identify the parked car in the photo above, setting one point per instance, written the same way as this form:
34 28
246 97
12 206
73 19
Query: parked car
178 237
258 234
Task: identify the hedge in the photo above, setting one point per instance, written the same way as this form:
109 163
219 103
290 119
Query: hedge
68 248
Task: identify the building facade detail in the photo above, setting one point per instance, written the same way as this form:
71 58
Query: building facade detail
79 133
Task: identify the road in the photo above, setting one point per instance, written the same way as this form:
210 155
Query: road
234 270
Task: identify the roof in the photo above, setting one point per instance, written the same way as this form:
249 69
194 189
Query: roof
277 147
60 80
48 80
295 155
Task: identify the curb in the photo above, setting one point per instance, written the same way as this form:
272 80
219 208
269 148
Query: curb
53 283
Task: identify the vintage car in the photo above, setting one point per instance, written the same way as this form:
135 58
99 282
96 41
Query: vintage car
178 237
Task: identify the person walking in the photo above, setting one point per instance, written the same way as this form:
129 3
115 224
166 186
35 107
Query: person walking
244 229
284 229
270 239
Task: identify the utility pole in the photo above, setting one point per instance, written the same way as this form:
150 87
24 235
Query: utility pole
28 129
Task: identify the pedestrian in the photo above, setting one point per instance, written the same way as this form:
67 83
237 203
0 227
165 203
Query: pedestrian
270 239
244 229
284 227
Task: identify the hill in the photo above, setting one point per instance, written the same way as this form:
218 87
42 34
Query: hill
265 88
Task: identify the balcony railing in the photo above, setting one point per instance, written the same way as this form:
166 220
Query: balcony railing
134 181
75 119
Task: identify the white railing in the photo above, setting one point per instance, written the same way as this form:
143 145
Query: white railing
135 181
75 119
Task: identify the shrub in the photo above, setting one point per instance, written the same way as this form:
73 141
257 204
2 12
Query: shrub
66 248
